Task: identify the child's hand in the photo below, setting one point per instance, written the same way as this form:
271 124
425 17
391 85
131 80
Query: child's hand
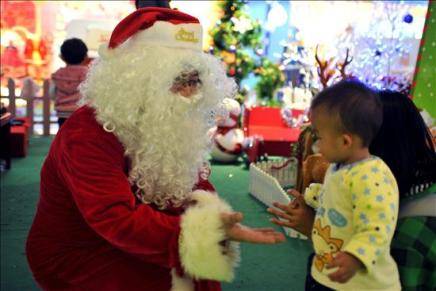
347 265
297 214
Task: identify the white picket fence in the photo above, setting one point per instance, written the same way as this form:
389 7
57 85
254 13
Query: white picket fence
29 97
268 179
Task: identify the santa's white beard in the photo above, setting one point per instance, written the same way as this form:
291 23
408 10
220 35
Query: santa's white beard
164 136
166 160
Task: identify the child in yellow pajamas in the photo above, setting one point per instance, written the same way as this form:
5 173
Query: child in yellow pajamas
357 206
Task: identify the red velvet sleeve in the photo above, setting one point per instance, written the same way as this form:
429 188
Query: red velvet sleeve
92 168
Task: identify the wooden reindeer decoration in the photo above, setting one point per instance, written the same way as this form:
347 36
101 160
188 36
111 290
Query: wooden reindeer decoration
313 166
326 69
341 66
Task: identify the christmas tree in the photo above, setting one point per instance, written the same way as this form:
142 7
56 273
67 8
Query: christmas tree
382 51
423 91
237 40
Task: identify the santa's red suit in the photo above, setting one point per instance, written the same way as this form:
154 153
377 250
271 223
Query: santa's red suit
90 231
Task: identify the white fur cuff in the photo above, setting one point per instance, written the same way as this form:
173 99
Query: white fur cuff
201 255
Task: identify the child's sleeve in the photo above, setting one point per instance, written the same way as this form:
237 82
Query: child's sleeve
374 197
311 195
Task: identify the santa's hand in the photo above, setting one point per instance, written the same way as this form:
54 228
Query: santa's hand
237 232
347 266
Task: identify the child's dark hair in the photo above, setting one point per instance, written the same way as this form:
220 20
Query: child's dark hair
358 108
74 51
405 144
152 3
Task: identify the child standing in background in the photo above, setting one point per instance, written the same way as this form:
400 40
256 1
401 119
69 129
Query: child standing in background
66 80
357 206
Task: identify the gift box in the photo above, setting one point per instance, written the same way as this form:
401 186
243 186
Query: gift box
19 138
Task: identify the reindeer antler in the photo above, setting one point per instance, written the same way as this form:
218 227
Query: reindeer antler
324 74
346 62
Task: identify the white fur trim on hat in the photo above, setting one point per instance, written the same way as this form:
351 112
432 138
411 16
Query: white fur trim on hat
202 230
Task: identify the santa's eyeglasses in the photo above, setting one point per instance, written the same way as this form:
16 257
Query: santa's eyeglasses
192 83
186 79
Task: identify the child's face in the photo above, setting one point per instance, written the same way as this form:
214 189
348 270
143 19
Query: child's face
332 142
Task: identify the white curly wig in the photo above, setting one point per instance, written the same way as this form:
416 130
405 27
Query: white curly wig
164 137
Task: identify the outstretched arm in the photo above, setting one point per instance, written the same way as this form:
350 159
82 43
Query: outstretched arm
202 240
210 232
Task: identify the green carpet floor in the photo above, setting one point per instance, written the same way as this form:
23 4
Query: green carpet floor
269 268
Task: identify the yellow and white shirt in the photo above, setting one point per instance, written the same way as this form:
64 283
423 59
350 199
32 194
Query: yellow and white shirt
356 212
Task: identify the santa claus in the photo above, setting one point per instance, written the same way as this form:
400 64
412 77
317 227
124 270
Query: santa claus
124 202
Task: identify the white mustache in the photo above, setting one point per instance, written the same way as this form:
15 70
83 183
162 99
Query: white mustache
191 99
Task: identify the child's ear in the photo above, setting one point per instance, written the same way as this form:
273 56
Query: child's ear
347 140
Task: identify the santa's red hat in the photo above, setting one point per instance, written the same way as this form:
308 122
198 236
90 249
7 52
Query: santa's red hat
160 26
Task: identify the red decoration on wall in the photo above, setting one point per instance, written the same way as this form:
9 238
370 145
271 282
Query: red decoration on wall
11 57
43 49
28 49
18 13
